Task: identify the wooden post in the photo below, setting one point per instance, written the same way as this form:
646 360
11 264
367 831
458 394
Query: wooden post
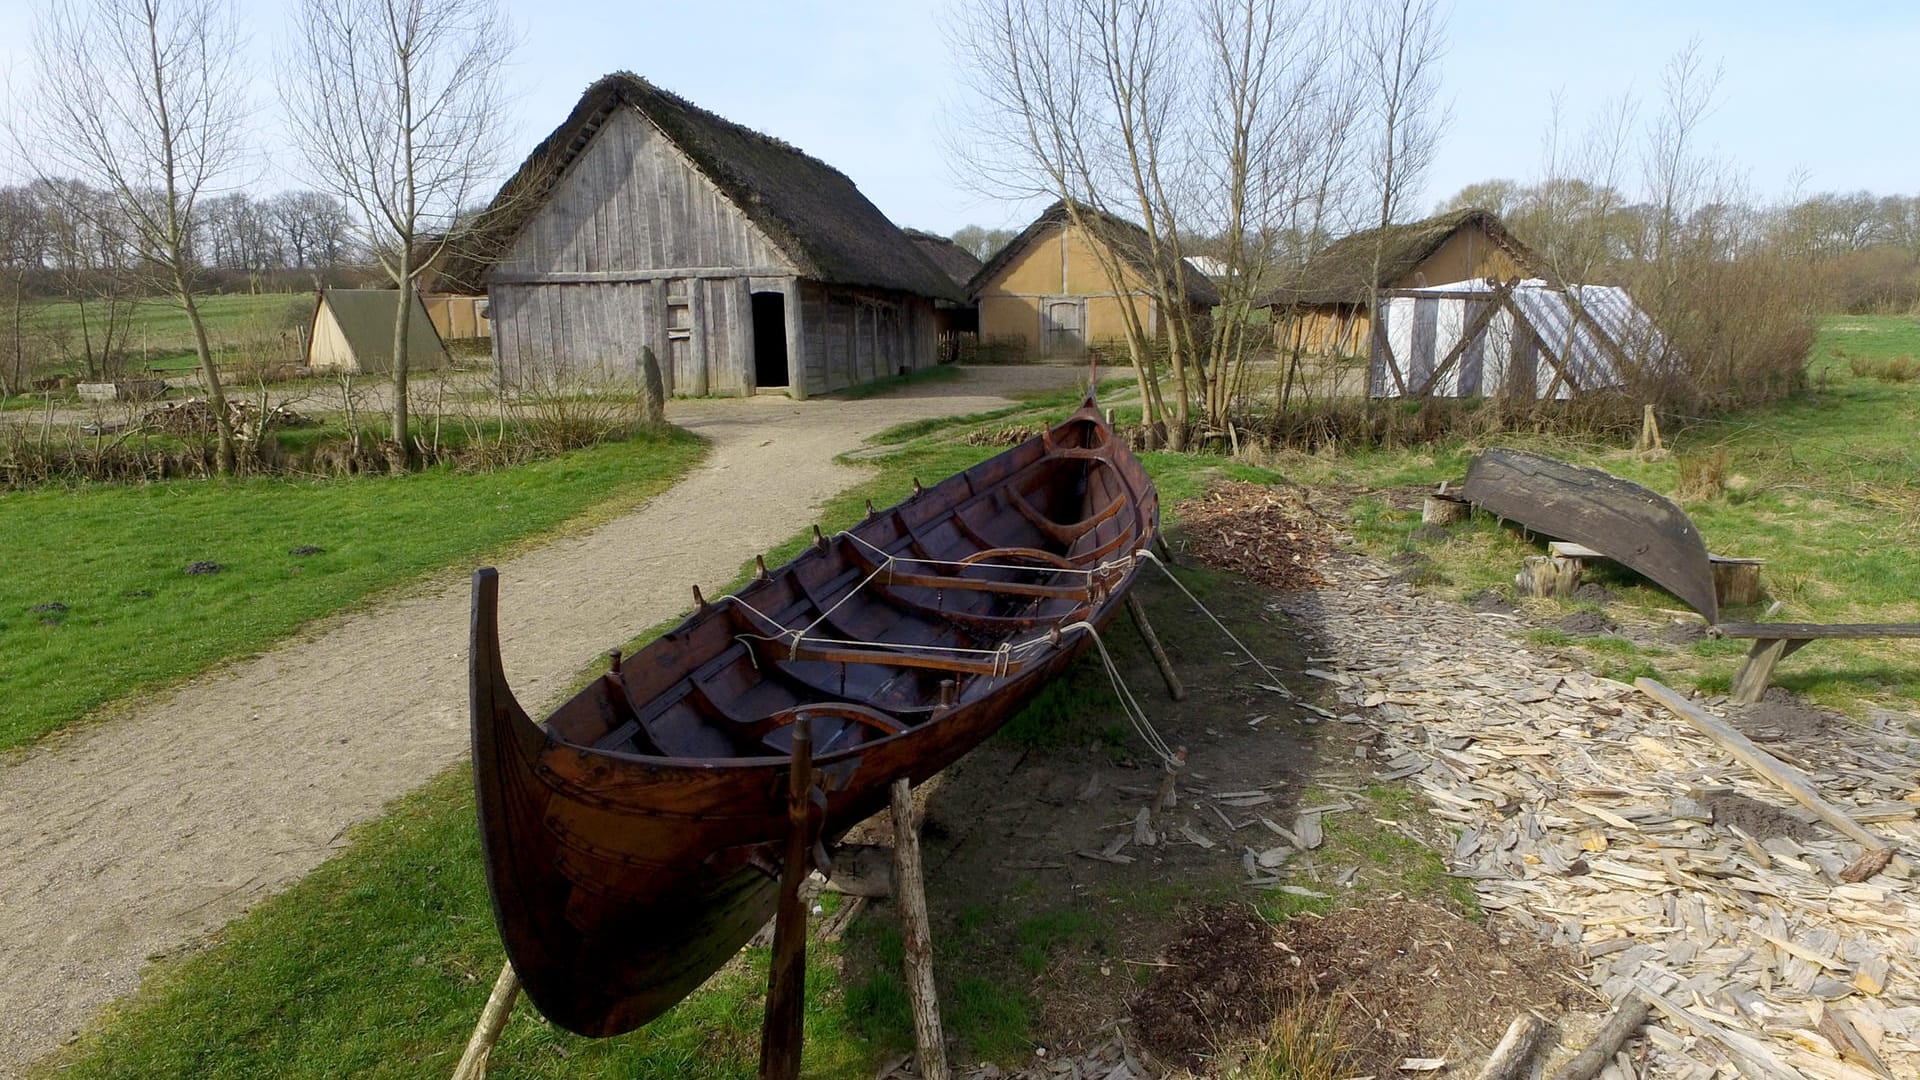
780 1031
1789 779
493 1020
1736 581
1626 1018
1444 510
1649 432
1750 682
1174 689
1513 1058
916 940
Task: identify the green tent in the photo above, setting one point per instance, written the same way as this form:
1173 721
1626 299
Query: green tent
353 331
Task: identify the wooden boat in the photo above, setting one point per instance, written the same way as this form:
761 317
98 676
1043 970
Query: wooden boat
1635 527
633 838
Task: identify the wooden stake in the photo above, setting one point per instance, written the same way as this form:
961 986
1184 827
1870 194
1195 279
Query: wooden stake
1547 575
493 1020
1139 612
1789 779
1619 1026
916 941
780 1031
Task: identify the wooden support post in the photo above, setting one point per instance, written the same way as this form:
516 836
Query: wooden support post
493 1020
1788 778
1750 682
1649 432
1139 613
1736 581
916 940
780 1031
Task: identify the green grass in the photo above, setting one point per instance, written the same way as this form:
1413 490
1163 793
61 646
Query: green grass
157 331
1824 486
1389 861
115 555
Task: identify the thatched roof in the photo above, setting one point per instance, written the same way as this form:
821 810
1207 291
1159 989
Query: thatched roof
1340 273
1128 240
812 212
365 318
956 262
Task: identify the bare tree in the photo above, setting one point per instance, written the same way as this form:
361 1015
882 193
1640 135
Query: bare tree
396 106
1397 50
145 101
1216 122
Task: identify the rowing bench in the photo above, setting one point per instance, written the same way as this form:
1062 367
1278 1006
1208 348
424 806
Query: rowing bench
1772 641
1735 581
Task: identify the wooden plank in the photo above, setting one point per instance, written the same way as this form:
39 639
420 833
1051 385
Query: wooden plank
486 1033
1788 778
1817 631
1750 682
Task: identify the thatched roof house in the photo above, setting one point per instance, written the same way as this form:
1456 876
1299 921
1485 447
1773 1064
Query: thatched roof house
956 262
645 221
1329 298
353 331
1047 288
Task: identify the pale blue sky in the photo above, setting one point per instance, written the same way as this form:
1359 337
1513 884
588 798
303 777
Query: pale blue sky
1827 87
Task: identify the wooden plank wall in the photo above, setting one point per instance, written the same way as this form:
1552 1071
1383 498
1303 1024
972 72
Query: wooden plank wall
857 335
593 332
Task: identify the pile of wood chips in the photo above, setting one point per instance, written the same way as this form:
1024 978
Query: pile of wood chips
1266 534
1588 814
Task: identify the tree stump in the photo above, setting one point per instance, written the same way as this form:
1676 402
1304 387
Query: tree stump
1444 510
653 390
1547 576
1736 582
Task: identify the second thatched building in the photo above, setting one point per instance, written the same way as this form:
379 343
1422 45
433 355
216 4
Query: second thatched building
645 222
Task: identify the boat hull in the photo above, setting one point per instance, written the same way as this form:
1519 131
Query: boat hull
1635 527
622 880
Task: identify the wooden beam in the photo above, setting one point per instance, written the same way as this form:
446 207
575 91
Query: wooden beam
780 1028
1756 671
1816 631
916 941
1467 337
1175 690
1512 1058
1378 325
493 1020
586 277
1625 1019
1788 778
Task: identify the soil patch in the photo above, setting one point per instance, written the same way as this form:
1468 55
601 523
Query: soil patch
1757 819
1271 535
1404 979
1782 719
1491 600
1683 633
1432 534
1593 592
1588 622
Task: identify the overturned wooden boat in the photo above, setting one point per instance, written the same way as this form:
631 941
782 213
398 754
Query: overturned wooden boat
633 839
1640 529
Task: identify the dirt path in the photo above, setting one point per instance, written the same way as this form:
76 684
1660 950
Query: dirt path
144 833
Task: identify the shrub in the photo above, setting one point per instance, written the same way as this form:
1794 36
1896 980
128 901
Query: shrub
1703 476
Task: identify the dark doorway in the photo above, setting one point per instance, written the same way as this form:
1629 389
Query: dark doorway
769 339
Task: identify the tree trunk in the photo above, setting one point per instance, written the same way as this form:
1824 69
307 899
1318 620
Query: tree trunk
216 397
402 318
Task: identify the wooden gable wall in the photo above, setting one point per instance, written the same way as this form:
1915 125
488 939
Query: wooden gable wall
1058 264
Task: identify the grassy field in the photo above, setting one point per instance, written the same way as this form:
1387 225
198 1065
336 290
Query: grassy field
1825 487
129 617
158 334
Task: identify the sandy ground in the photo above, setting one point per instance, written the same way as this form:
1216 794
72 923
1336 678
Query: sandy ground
143 833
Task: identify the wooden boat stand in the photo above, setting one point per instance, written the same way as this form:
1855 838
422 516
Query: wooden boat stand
781 1030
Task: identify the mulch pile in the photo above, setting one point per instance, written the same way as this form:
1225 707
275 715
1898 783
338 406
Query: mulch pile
1265 534
1403 979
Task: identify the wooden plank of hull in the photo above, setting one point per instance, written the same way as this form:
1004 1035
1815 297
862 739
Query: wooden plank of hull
622 880
1635 527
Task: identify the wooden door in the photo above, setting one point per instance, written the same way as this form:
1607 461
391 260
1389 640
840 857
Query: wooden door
1063 326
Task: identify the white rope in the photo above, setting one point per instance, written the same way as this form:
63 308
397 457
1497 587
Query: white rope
1128 703
1152 558
1102 568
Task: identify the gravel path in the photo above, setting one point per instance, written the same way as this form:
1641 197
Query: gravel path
143 833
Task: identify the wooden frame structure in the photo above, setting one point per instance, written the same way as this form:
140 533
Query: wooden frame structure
1774 642
1497 299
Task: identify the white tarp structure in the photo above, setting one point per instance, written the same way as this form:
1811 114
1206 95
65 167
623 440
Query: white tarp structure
1523 339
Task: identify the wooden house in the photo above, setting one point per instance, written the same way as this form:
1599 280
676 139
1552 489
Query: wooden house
644 221
1325 313
458 317
957 320
352 331
1049 294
